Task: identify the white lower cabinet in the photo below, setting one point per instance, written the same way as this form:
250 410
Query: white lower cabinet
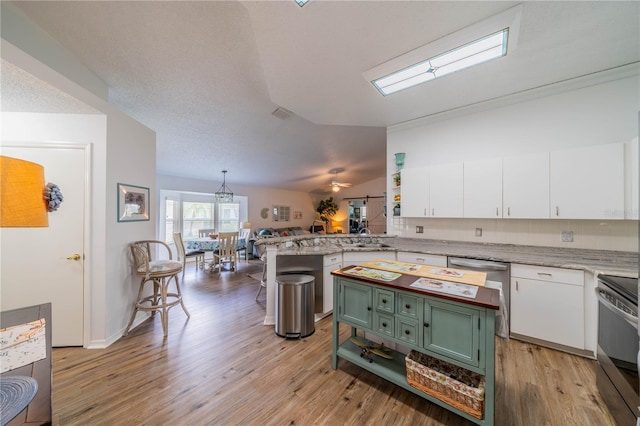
331 262
360 257
548 304
421 258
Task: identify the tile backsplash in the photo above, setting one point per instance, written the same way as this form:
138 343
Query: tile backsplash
619 235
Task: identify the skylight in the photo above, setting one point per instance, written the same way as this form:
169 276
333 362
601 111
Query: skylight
301 2
476 52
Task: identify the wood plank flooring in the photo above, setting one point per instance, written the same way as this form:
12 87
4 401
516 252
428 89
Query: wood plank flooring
223 367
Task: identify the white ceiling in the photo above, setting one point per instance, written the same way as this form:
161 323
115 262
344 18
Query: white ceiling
207 75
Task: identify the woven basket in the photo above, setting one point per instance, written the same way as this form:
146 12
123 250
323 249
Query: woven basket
458 387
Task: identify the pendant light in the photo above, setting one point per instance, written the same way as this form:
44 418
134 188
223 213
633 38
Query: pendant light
224 194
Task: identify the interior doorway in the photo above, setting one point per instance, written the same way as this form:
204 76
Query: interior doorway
42 265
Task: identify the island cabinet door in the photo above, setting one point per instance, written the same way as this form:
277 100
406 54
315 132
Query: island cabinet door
453 330
356 304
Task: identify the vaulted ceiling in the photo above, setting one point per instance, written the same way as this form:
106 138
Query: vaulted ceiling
207 75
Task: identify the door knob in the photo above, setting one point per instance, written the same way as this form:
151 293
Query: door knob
74 257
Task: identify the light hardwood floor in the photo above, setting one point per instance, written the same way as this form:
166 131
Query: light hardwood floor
223 367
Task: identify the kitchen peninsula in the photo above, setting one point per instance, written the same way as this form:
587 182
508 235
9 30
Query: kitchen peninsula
348 249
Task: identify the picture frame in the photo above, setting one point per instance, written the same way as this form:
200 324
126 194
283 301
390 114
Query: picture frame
297 214
133 203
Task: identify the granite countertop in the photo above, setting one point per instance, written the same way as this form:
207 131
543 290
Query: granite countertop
595 261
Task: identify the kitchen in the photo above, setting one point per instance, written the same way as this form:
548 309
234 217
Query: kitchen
601 113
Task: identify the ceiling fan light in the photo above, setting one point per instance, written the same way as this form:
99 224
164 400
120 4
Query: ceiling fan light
335 188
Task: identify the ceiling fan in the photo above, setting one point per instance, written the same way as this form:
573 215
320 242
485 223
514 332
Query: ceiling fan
335 184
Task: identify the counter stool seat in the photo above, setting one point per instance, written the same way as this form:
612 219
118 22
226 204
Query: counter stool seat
159 272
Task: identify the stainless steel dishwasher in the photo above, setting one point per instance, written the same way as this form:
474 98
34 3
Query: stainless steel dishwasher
496 271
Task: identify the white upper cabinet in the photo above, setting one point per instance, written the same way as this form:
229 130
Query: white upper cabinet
631 180
415 192
587 183
483 188
445 190
526 186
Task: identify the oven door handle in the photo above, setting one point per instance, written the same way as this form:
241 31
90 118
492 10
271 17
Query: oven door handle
613 308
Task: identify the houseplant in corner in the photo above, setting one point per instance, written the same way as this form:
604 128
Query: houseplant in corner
327 209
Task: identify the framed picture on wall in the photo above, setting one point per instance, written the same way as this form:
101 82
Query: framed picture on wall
133 203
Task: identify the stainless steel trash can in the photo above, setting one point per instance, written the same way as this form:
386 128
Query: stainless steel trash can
294 306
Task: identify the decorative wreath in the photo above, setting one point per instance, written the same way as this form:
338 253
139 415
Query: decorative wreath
53 197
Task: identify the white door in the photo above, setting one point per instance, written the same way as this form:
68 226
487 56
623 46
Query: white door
35 264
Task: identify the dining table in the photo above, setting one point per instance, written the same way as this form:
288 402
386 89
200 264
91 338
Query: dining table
209 244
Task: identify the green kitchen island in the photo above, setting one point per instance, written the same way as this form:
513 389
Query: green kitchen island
456 329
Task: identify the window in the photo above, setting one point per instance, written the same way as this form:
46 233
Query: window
188 212
195 216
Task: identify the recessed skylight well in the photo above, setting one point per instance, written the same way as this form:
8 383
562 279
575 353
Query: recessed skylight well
481 42
478 51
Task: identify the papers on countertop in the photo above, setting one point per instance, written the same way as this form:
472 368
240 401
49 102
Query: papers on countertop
446 287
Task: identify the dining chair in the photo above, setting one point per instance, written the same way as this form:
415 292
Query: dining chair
183 255
160 272
243 242
226 252
202 233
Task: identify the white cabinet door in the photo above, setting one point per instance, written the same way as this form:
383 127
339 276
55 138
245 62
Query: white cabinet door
359 257
588 183
422 258
331 263
482 189
548 304
631 180
525 186
415 192
445 190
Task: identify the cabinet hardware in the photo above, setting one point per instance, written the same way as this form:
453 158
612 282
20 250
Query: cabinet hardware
508 211
384 300
426 324
420 259
496 211
557 211
425 211
433 212
478 354
517 286
384 324
408 306
478 323
407 332
368 308
545 274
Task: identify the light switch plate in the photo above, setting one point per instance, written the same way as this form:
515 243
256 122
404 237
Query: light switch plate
567 236
419 229
478 232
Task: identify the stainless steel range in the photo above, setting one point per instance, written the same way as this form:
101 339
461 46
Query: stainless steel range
618 345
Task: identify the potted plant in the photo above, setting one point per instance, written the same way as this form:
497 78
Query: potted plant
327 209
396 210
396 178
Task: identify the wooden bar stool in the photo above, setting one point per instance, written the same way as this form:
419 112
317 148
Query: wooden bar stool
160 273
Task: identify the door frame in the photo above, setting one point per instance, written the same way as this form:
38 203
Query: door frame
86 231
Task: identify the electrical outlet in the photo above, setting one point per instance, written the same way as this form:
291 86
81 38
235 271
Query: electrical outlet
419 229
478 232
567 236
